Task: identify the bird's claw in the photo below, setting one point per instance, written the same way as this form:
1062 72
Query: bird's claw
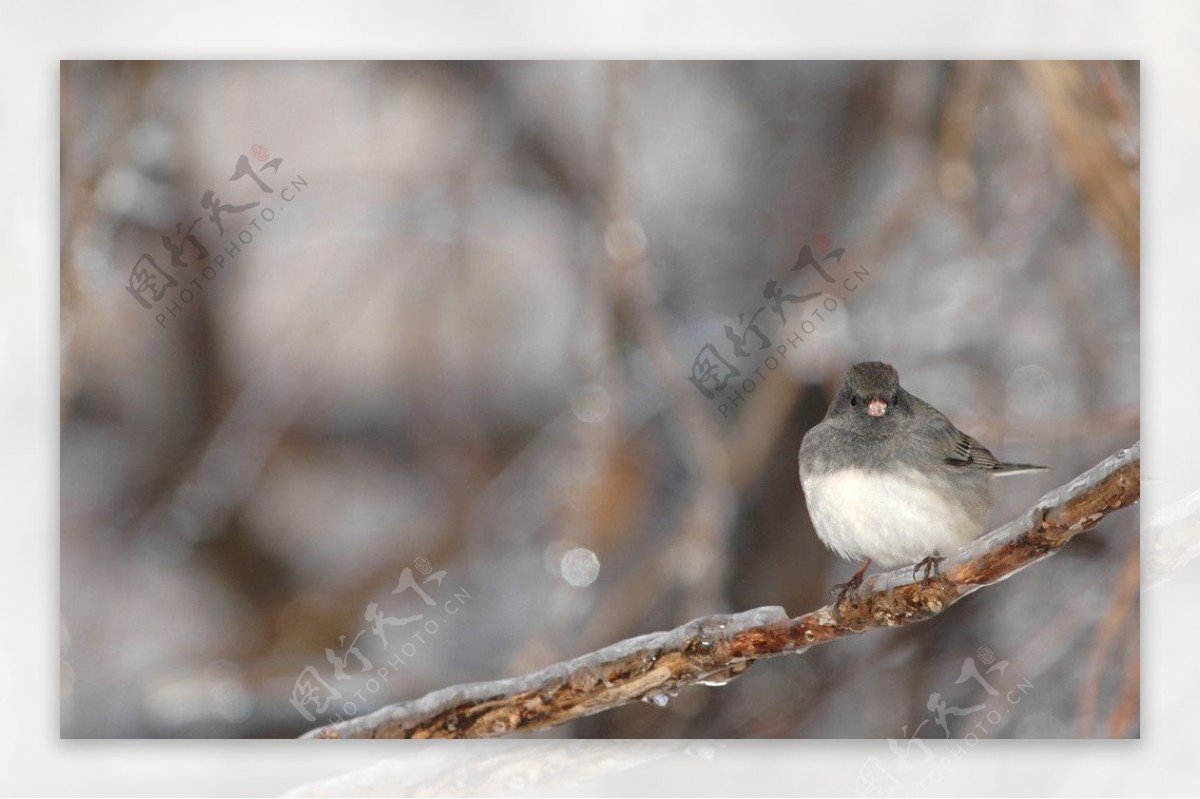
841 590
931 565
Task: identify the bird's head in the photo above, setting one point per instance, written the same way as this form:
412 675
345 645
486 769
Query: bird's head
871 390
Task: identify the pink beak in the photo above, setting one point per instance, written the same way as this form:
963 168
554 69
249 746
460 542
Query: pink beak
876 408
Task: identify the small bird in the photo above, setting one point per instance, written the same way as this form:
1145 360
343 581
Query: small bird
888 478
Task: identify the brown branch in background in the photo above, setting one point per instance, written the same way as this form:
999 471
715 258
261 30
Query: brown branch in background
964 92
1123 720
1081 105
1111 633
714 650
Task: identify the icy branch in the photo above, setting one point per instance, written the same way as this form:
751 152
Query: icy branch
715 649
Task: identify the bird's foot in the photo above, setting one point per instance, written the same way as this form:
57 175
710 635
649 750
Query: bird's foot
931 565
850 586
841 589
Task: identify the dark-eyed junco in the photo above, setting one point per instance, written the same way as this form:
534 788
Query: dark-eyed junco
889 479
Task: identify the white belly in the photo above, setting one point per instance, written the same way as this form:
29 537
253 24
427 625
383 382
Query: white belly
891 519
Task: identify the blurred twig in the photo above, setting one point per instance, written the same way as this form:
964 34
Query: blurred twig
703 525
1111 632
713 650
956 173
1081 109
1123 720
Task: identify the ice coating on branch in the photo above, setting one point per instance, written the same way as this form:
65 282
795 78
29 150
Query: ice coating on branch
623 666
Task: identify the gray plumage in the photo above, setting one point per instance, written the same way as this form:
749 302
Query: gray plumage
888 478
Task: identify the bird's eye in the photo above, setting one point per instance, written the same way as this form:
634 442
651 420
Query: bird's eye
854 400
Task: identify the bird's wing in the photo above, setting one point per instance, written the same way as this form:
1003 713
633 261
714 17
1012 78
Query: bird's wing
951 445
966 451
956 447
969 453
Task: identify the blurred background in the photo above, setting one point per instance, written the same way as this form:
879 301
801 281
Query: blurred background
349 344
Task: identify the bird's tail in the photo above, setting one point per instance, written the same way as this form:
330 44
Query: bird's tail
1005 469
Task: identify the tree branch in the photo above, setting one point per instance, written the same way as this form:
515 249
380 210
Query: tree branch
715 649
